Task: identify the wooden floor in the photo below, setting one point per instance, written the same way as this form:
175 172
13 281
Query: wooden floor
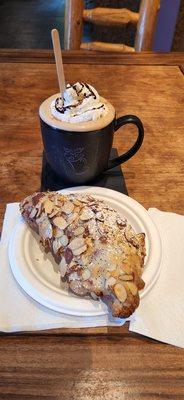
27 23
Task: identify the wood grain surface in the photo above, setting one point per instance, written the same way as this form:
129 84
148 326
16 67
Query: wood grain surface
103 363
86 57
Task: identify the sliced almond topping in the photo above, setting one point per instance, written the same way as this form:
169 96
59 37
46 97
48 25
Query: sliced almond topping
129 233
77 203
74 276
92 227
89 242
55 200
126 277
64 240
33 213
132 287
74 267
38 198
68 207
63 267
83 200
95 270
94 207
126 268
45 229
80 250
41 218
120 292
99 216
58 232
60 199
39 209
86 214
72 218
48 205
110 282
54 212
56 245
79 231
86 274
60 222
115 274
121 223
76 243
76 287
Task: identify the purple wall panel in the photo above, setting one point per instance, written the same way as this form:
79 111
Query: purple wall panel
166 25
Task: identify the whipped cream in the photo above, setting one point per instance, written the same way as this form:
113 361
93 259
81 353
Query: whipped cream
80 103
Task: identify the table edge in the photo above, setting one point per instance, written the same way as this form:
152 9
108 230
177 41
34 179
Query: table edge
89 57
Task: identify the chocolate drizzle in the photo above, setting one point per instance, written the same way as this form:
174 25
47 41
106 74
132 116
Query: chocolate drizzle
96 108
63 109
75 88
91 92
82 85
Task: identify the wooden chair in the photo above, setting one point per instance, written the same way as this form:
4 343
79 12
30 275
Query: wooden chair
145 20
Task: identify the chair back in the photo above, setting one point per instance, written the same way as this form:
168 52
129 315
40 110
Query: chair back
145 20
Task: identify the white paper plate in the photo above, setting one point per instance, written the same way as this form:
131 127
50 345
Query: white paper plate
34 270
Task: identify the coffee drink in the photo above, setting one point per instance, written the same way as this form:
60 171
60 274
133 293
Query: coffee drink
81 109
77 132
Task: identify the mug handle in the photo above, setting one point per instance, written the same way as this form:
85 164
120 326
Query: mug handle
127 119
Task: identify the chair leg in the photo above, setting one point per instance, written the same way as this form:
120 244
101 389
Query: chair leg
73 24
146 25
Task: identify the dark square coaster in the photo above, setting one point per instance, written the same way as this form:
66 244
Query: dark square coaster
112 179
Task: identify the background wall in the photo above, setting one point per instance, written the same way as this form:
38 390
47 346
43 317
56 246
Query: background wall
166 25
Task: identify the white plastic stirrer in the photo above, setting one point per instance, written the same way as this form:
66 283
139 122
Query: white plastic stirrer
58 59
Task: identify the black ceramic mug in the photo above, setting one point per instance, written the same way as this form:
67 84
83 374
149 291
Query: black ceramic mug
78 157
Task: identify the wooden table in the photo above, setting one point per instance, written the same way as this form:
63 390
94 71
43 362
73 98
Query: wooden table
103 363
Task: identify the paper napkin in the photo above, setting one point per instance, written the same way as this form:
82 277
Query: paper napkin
18 312
161 312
